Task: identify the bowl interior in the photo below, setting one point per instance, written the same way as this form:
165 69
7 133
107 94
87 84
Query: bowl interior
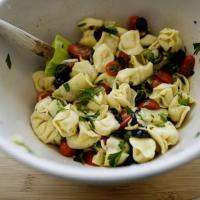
47 18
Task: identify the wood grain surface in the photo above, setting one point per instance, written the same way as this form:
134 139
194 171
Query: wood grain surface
18 182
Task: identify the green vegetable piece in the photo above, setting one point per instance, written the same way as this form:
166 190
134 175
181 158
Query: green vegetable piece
114 158
60 45
183 101
196 48
67 87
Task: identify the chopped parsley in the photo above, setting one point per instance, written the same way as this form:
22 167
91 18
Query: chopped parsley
67 87
21 144
163 117
183 101
196 48
8 61
88 95
114 157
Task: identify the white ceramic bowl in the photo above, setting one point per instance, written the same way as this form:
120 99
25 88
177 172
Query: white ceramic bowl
45 19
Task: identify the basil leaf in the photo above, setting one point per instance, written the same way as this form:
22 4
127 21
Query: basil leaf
196 48
67 87
114 158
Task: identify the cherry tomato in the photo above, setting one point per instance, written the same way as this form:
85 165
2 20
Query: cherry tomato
112 68
88 158
43 94
164 76
126 58
149 104
80 51
132 22
155 82
187 66
106 87
65 150
125 119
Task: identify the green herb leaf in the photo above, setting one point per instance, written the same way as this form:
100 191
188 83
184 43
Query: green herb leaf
67 87
88 95
196 48
183 101
114 158
8 61
163 117
122 145
111 30
160 125
81 24
21 144
90 118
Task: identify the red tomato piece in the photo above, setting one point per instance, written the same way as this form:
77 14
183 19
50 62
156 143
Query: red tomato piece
125 119
65 150
43 94
106 87
164 76
80 51
187 66
124 56
132 22
149 104
112 68
88 158
155 82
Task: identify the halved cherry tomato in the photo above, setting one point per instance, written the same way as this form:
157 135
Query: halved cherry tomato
106 87
65 150
132 22
88 158
126 58
149 104
155 82
80 51
187 66
43 94
112 68
104 138
164 76
125 119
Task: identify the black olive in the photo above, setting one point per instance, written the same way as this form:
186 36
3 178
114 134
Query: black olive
139 133
119 133
171 68
141 96
134 119
62 74
141 24
177 57
116 114
97 34
122 62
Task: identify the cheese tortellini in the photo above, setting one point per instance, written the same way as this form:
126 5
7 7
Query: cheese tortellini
43 82
117 97
169 39
124 96
130 43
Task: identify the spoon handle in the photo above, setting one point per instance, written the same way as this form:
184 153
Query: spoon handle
25 39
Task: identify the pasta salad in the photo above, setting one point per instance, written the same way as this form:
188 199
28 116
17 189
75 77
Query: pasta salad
116 97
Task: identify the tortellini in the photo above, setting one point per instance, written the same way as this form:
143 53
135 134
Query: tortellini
121 31
89 23
105 124
136 75
156 117
110 40
164 136
130 43
42 105
88 38
84 67
179 108
113 147
143 149
105 78
169 39
97 102
99 157
148 40
163 94
181 83
66 121
43 82
84 139
44 129
70 90
124 96
102 55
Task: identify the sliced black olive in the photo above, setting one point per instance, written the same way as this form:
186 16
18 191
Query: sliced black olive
134 119
116 114
141 24
139 133
119 133
98 34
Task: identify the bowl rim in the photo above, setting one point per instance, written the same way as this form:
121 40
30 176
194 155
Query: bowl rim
95 175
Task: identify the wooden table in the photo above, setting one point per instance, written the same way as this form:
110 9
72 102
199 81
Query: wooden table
18 182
